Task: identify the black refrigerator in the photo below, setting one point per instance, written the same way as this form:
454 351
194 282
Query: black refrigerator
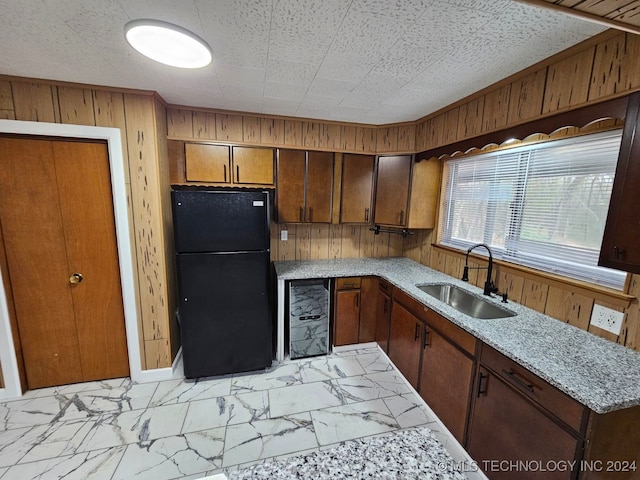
222 245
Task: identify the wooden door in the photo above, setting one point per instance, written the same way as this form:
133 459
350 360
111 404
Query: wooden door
207 163
290 190
347 317
319 187
357 188
392 190
253 165
505 426
383 319
368 306
56 213
445 381
405 342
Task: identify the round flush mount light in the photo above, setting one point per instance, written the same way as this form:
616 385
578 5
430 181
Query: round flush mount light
167 43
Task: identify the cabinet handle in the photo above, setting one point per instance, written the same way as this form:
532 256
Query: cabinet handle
401 216
417 335
386 305
482 389
358 300
366 215
519 380
310 214
238 173
225 173
425 342
301 214
618 253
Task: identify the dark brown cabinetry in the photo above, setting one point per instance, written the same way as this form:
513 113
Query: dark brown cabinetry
355 310
357 188
368 306
519 417
383 314
347 303
305 186
620 248
392 190
405 342
446 372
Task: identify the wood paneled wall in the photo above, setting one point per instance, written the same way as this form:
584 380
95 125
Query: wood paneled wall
187 124
599 69
596 70
141 119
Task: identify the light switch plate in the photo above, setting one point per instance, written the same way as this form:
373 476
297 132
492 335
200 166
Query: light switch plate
284 235
607 319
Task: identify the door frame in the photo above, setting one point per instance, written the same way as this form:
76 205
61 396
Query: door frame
8 360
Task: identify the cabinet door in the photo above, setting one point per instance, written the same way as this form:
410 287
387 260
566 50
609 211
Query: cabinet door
445 381
207 163
507 427
368 305
405 339
392 190
620 242
253 165
383 320
357 188
423 200
319 187
347 317
290 186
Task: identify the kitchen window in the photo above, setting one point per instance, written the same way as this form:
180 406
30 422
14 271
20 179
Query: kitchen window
541 205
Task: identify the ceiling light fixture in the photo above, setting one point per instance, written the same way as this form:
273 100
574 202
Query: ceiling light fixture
167 43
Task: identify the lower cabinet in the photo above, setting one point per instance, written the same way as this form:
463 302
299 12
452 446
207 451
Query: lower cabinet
446 374
346 311
383 314
405 342
507 427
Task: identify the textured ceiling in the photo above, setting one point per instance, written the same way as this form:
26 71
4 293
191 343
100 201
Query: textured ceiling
370 61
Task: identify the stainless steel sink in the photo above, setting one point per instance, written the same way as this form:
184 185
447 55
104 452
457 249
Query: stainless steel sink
464 301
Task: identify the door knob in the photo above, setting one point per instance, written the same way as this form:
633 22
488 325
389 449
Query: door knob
75 278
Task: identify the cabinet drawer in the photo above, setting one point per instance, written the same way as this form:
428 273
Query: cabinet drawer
347 283
457 335
545 394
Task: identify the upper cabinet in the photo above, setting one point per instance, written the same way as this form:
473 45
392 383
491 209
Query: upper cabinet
357 188
407 192
252 166
207 163
221 165
622 230
392 190
305 186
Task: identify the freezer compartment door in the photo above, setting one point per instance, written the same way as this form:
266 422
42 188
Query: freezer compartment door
220 221
225 318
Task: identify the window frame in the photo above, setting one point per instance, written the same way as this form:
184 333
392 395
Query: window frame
516 218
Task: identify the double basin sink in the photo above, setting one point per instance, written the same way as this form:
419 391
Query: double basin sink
465 302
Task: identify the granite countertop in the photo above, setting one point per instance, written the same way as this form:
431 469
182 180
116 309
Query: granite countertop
596 372
412 454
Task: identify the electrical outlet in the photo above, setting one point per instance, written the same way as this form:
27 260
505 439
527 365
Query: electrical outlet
284 235
607 319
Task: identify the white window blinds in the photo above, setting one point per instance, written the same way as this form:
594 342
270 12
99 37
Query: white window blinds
541 205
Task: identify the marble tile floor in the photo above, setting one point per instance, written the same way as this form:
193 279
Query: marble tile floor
117 430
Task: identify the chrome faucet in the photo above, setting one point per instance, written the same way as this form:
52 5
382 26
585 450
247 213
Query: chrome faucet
489 286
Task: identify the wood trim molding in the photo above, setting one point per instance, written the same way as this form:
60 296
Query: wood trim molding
590 17
616 108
